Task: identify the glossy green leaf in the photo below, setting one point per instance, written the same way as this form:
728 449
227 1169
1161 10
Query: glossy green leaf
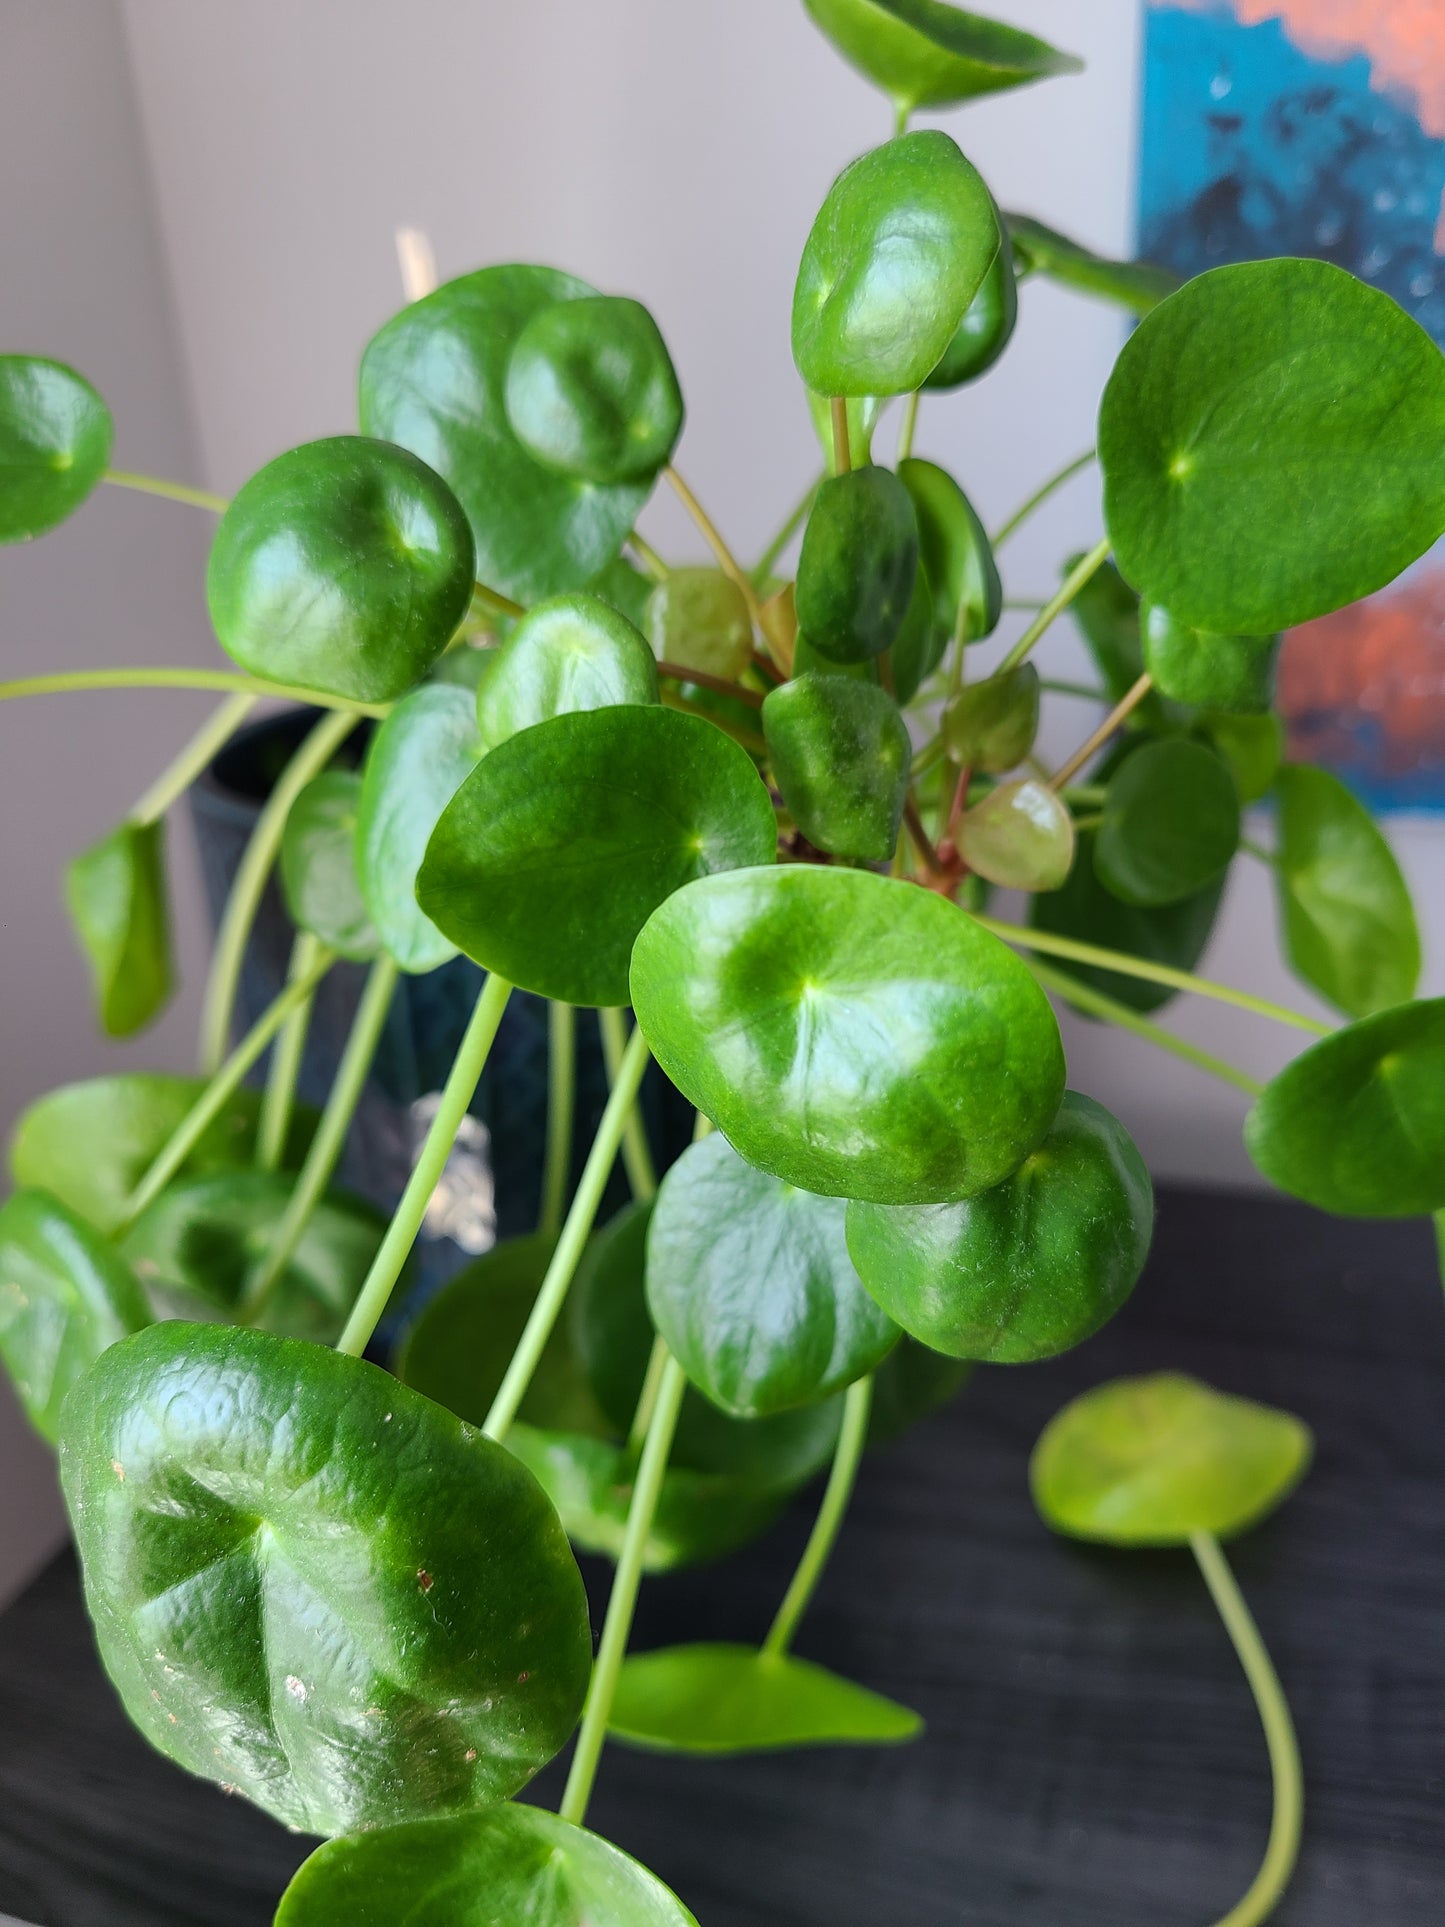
926 54
1021 836
513 1865
417 762
987 326
1348 921
855 1036
197 1250
560 844
572 653
698 619
1253 747
1171 824
1150 1461
65 1297
899 250
857 565
918 648
345 565
120 906
733 1699
863 413
55 436
1357 1124
967 592
314 1585
435 380
1230 673
91 1143
840 756
591 391
1107 612
1029 1269
990 726
1270 442
750 1283
318 866
1135 285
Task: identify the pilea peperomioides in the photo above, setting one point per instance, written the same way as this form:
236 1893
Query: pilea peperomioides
761 807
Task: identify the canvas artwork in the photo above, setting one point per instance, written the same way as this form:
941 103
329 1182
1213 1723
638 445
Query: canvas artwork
1317 127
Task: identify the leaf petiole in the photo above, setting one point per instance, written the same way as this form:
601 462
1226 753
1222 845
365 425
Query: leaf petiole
852 1437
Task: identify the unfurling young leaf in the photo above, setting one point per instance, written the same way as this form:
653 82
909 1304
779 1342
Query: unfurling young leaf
120 906
990 726
1021 837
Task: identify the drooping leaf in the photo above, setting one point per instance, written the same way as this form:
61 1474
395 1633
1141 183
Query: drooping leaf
1357 1124
990 726
1230 673
435 380
925 54
345 565
66 1295
1345 910
120 906
857 565
1150 1461
698 619
720 1699
562 842
417 762
967 591
1270 442
55 436
987 326
1021 836
1171 824
840 754
514 1864
1136 285
1026 1270
572 653
318 866
591 391
852 1035
896 256
1253 747
316 1586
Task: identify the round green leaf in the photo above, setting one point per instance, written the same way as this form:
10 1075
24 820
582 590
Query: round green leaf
1349 924
1021 836
857 565
345 565
986 328
1135 285
513 1864
623 588
750 1283
318 866
918 648
1171 824
840 756
926 54
119 903
733 1699
1151 1461
855 1036
65 1297
417 762
561 843
1230 673
990 726
1357 1124
316 1586
572 653
592 393
699 620
1029 1269
1253 747
899 249
435 380
1270 440
55 436
1107 612
956 552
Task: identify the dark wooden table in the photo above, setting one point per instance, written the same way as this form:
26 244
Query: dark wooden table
1093 1757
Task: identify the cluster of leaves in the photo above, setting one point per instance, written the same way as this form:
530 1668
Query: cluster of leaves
349 1593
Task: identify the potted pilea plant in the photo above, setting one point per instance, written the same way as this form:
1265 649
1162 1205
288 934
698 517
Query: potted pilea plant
763 808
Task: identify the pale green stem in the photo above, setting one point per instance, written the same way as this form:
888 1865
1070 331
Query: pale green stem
647 1398
72 680
1077 580
852 1437
909 426
902 114
1040 496
326 1147
766 562
249 885
280 1099
1287 1825
636 1153
622 1604
561 1104
1084 997
493 599
842 445
456 1097
1095 741
214 1098
1259 853
196 498
1084 691
178 777
649 558
575 1233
